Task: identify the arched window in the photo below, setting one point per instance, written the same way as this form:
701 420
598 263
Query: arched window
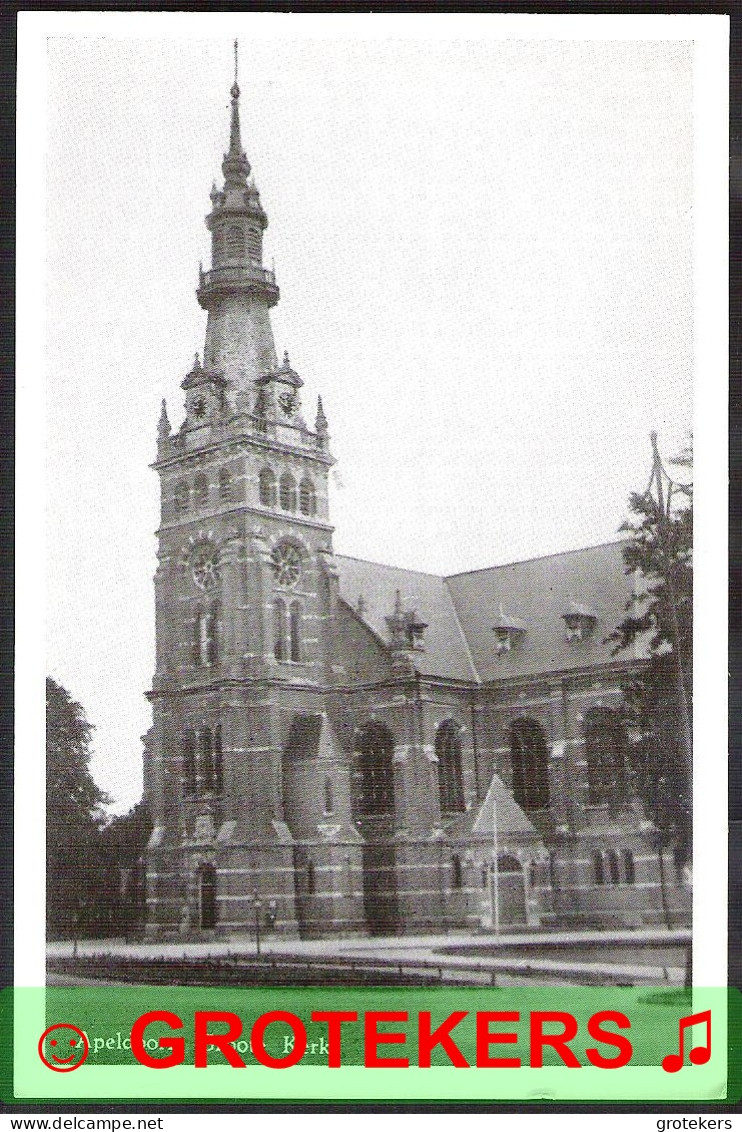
613 866
217 245
280 650
212 634
450 784
180 497
189 763
295 630
235 243
206 759
311 882
218 761
254 250
307 498
267 482
329 802
604 752
485 875
508 863
598 867
287 492
225 486
456 874
207 896
201 490
376 748
530 761
629 870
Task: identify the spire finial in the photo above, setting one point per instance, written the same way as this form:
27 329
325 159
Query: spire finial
235 91
235 60
236 167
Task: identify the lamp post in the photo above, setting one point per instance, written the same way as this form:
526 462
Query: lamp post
257 904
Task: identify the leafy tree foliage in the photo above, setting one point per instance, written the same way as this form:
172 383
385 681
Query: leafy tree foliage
659 623
74 817
124 844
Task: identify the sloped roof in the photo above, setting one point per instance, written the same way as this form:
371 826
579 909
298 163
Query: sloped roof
538 592
510 817
461 611
446 653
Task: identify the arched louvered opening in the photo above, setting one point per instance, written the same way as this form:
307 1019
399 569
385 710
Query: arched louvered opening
287 492
629 869
235 243
450 778
225 486
307 498
201 490
206 759
267 486
529 755
254 245
181 498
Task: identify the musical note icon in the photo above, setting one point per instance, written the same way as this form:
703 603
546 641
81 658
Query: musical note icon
698 1055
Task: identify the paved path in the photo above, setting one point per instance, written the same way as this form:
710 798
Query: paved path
477 964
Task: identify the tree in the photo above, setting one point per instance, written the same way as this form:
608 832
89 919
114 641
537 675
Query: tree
658 699
124 846
74 817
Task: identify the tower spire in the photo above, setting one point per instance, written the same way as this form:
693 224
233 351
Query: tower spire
235 167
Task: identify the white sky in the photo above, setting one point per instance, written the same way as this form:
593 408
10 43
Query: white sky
484 250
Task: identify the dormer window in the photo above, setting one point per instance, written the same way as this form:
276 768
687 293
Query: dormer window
508 632
580 622
415 628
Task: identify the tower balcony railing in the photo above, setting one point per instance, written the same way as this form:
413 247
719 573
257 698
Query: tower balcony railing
248 272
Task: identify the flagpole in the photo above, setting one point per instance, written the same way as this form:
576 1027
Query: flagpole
495 864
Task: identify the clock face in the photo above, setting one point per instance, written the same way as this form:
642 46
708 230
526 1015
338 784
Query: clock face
199 408
287 401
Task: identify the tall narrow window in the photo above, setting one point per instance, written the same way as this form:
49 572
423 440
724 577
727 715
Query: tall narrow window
605 753
201 490
217 246
218 761
295 629
598 867
279 630
207 760
307 498
235 243
225 486
450 784
212 634
181 498
287 492
456 874
629 870
613 866
189 763
311 881
530 760
199 635
329 805
267 482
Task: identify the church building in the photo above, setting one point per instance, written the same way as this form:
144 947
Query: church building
340 746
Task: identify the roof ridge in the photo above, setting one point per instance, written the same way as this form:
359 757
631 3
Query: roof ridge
536 558
389 566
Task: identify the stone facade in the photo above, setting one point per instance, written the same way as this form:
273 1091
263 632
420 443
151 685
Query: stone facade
339 746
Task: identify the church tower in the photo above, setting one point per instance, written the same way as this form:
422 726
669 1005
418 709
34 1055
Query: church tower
243 590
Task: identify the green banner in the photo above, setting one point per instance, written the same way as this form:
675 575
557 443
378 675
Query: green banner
370 1043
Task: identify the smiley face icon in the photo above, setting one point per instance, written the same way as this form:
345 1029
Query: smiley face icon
63 1047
